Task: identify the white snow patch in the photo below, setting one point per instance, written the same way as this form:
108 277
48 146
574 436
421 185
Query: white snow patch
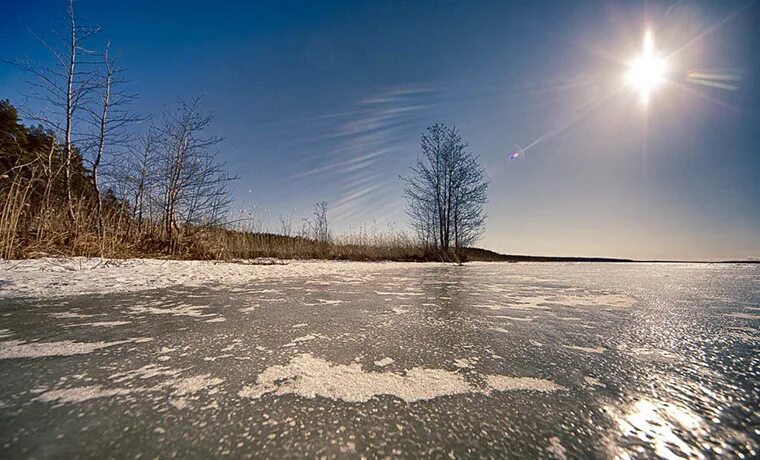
593 382
69 315
214 358
399 294
384 362
194 384
465 363
81 394
180 310
11 349
309 377
179 403
232 346
148 371
329 302
556 449
513 318
100 324
597 350
48 277
303 338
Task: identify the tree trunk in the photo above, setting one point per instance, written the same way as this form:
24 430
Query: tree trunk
100 148
70 114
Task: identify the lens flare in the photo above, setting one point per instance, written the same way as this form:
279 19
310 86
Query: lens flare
720 79
647 71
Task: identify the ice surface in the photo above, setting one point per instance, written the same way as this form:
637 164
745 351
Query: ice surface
43 277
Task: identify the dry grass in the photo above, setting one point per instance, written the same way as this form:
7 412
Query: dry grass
350 247
31 229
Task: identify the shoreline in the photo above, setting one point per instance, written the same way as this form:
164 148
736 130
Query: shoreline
57 277
491 257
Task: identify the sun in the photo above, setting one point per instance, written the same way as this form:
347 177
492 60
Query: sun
647 71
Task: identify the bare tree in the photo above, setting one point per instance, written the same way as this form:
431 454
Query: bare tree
193 182
64 87
108 120
469 197
446 193
305 230
321 228
138 172
286 225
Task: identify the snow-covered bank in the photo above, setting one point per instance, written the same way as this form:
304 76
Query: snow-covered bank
49 277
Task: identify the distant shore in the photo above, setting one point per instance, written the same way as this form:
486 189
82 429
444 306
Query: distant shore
368 254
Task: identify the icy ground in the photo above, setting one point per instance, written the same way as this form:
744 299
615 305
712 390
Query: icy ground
345 359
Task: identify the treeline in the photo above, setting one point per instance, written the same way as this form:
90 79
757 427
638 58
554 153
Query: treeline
83 181
56 200
167 196
91 177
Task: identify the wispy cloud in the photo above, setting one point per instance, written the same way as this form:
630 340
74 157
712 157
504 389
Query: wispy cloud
371 148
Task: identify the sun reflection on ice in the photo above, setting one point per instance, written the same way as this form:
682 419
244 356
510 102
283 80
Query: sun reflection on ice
662 426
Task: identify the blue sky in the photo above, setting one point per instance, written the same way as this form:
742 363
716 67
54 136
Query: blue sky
327 100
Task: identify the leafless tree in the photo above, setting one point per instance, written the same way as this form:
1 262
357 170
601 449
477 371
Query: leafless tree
108 120
321 227
138 172
446 193
286 225
305 230
64 88
193 181
469 197
421 210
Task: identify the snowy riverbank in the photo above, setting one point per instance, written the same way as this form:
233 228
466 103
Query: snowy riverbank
47 277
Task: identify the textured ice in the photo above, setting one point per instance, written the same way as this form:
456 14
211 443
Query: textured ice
41 277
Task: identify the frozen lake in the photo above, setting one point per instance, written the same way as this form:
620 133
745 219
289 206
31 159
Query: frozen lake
334 359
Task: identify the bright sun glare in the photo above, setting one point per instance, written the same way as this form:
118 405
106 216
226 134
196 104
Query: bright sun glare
647 71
